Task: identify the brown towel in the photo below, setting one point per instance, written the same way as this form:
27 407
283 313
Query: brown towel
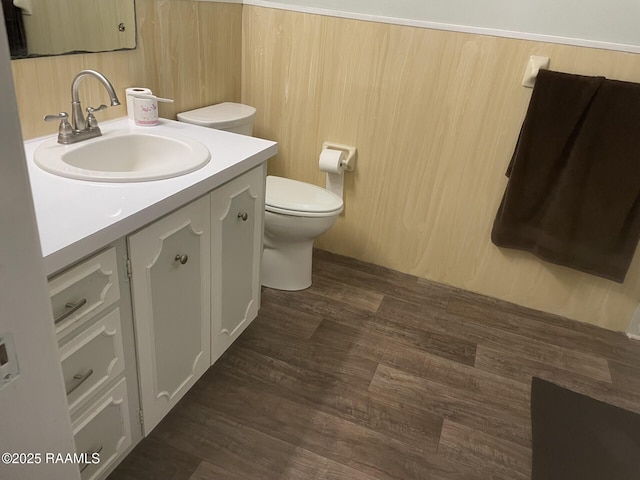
573 196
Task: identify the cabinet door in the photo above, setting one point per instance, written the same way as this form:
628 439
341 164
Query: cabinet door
237 210
170 265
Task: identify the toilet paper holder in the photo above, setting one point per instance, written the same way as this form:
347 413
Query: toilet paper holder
348 163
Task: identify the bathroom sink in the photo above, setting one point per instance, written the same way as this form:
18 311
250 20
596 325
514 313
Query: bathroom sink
123 156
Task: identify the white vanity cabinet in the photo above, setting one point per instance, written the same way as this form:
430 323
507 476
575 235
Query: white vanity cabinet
170 279
94 327
150 282
237 219
140 322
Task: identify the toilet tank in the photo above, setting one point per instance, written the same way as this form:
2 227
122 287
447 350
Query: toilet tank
229 116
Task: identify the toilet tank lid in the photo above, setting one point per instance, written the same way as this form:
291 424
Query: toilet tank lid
292 195
221 115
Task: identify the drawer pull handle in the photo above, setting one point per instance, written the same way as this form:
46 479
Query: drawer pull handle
182 258
89 454
244 216
73 307
79 379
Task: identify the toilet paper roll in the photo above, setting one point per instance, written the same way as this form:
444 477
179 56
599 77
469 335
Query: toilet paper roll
331 162
129 92
145 111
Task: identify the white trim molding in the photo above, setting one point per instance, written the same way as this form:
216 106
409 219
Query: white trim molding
219 1
445 26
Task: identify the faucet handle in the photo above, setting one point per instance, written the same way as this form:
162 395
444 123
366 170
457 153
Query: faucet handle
61 116
90 110
92 123
64 130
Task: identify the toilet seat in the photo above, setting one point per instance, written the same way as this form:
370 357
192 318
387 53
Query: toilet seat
291 197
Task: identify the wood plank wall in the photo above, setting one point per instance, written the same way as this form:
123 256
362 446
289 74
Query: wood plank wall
435 116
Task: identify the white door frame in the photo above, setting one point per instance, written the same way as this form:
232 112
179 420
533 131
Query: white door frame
34 417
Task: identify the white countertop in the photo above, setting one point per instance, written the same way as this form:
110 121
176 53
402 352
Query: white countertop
76 218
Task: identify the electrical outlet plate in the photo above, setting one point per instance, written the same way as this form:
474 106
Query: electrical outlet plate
9 369
534 65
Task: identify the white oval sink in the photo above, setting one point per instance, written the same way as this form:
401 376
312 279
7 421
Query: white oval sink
123 156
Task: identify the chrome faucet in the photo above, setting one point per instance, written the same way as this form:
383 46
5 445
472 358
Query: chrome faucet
82 128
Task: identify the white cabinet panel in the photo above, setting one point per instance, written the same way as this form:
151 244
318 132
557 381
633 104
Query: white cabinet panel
92 359
170 265
104 430
237 210
84 291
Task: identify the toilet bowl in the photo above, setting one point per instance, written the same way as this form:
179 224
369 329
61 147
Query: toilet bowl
296 213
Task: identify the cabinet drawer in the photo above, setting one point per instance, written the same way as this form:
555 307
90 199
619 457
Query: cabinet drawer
83 291
92 359
103 429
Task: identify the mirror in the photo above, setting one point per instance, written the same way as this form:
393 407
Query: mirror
53 27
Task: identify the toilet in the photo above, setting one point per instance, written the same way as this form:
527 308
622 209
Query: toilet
296 213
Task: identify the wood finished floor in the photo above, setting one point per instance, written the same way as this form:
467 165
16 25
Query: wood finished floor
372 374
